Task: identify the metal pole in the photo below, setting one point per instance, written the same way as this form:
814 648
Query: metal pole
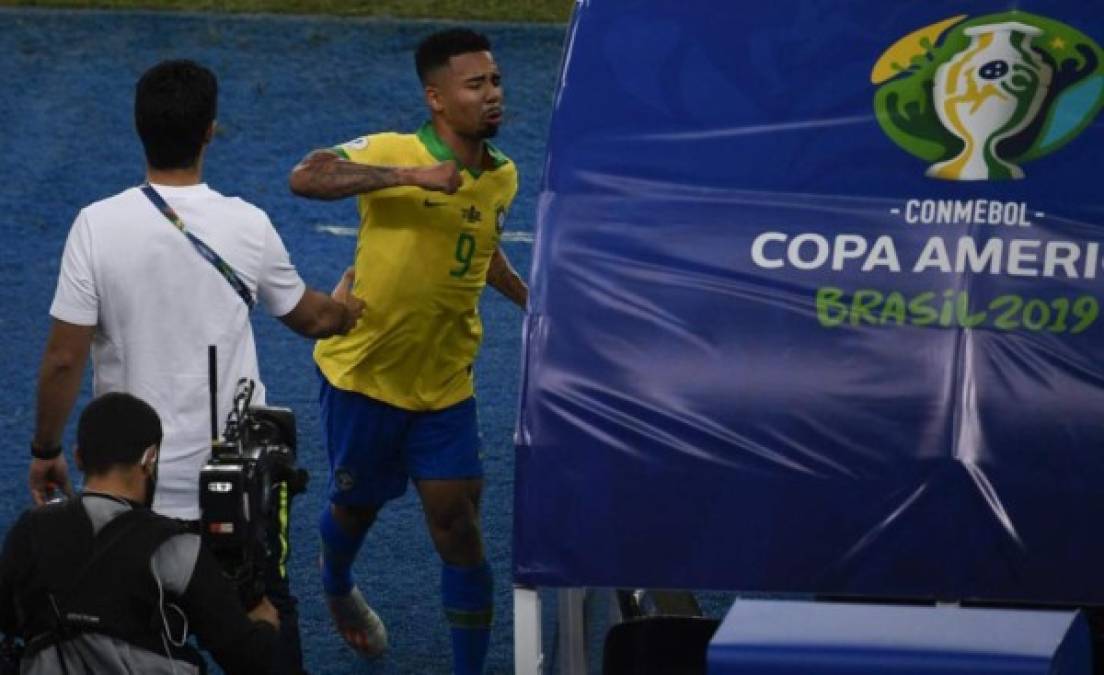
528 656
571 650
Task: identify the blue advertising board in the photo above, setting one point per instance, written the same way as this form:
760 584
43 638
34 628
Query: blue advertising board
816 302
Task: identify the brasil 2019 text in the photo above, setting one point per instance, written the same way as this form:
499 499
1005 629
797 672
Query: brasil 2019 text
836 308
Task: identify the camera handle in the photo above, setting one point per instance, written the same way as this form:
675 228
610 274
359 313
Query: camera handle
238 411
242 398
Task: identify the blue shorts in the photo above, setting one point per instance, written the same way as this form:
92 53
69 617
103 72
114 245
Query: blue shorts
376 448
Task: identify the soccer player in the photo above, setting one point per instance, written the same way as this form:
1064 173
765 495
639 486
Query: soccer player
396 394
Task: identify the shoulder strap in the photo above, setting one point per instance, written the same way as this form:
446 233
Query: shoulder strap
110 536
86 584
203 249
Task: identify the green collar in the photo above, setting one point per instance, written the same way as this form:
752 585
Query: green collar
443 153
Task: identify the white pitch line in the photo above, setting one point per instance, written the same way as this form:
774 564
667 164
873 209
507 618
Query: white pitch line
337 230
509 237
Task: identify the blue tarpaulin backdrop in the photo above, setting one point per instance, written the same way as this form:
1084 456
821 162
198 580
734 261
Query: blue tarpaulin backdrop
767 352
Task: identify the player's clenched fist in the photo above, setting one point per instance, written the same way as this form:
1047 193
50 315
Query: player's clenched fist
443 177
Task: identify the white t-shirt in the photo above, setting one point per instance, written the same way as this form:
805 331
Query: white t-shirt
157 305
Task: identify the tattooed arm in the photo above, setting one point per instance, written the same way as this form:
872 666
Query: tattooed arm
324 175
502 277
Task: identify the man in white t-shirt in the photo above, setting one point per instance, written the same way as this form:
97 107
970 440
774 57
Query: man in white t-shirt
136 291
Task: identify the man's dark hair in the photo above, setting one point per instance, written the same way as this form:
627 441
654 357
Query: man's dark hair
174 105
435 51
115 429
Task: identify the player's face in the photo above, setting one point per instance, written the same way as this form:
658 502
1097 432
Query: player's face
469 93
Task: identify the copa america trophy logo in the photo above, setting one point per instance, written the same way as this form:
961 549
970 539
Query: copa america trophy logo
978 98
988 92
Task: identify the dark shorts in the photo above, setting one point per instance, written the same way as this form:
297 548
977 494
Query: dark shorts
376 448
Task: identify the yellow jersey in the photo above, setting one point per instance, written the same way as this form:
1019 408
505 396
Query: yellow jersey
421 265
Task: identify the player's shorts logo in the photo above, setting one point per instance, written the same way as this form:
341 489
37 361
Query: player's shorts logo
343 480
976 98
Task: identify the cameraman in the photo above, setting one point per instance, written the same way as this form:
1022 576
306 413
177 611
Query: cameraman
101 584
153 275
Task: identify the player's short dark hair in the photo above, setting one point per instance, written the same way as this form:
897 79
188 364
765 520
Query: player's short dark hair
174 105
115 430
435 51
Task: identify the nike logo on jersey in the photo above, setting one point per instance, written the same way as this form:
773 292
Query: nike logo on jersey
430 204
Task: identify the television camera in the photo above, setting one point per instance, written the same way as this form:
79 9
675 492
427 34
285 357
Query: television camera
250 478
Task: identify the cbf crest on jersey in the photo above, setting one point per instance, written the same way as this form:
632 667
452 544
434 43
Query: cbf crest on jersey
979 97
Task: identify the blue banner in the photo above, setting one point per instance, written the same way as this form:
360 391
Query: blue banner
816 302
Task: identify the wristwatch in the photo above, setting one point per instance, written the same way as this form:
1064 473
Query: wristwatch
50 452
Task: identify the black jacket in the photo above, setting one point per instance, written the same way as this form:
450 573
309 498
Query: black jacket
62 582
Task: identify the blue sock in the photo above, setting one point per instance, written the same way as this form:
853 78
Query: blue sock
339 550
468 597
